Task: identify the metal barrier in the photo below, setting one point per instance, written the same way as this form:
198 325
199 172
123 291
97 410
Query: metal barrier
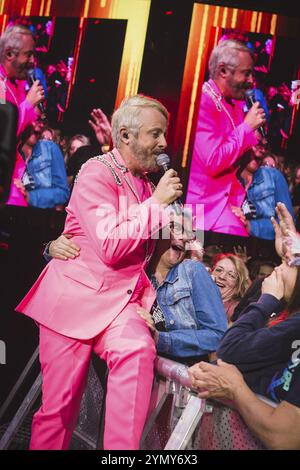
190 422
175 410
178 419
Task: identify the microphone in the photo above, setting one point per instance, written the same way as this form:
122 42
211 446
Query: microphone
163 161
30 80
250 100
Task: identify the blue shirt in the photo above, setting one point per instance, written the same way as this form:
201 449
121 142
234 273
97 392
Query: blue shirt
45 178
268 187
193 310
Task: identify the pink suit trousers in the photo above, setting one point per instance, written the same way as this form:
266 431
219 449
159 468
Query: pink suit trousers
129 351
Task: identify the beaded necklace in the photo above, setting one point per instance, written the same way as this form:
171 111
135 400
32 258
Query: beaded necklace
123 169
217 99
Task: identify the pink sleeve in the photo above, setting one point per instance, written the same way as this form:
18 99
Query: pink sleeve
216 151
112 229
27 114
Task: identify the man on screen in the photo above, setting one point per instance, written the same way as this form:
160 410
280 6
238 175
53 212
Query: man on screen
223 135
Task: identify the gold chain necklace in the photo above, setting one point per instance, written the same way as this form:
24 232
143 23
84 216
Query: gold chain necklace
124 170
217 99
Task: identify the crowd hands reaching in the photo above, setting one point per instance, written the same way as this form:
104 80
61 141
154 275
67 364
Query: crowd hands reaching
277 428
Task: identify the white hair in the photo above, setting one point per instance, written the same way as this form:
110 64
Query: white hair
226 52
128 115
11 40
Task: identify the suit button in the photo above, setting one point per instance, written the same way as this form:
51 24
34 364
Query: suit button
226 194
172 322
129 291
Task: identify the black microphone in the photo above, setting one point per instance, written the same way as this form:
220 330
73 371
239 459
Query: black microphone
163 161
30 80
250 100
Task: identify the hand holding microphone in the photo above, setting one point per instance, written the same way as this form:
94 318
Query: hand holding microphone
169 188
255 117
36 93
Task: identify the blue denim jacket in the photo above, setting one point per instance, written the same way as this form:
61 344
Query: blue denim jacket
267 188
47 179
193 310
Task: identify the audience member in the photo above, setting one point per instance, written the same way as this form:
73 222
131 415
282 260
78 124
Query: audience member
44 183
277 428
264 345
232 278
265 186
188 318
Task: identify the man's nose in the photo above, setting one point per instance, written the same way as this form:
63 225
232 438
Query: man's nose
250 80
162 142
30 62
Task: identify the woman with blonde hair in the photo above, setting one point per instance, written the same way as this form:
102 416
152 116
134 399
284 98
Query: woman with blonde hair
231 275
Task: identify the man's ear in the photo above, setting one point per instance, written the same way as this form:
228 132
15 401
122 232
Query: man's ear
124 136
223 70
9 55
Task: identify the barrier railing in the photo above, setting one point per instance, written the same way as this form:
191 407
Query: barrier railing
178 419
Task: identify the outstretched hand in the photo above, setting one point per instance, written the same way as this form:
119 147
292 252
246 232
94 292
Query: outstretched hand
241 252
216 381
101 126
283 229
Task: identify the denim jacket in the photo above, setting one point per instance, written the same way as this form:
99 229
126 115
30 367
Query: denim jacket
46 179
193 310
268 187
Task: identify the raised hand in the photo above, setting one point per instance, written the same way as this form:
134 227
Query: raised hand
36 94
283 230
255 117
241 252
101 126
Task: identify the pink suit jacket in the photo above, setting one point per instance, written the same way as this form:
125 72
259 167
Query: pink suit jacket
79 298
217 151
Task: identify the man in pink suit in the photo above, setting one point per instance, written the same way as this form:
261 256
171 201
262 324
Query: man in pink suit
16 57
223 135
90 303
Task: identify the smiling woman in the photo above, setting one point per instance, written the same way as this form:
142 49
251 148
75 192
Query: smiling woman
232 278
